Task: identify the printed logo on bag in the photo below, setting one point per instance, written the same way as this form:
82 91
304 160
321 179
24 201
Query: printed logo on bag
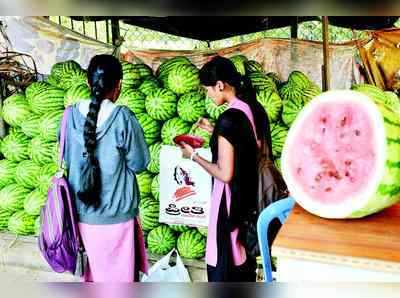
182 178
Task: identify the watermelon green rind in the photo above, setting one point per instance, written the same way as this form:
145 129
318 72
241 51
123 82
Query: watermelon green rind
15 110
172 128
149 213
144 181
30 126
21 223
271 102
7 172
191 244
161 240
183 79
154 164
191 106
77 93
26 174
34 202
151 128
12 197
161 104
155 187
15 146
4 218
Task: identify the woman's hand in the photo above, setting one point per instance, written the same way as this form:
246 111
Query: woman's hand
205 124
187 150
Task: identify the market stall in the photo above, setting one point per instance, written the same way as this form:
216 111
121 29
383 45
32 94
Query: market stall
162 88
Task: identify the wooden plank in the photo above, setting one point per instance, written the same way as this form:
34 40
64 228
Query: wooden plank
375 237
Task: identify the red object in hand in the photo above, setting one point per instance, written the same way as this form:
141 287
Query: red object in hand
193 141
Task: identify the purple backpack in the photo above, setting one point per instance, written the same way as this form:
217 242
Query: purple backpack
59 240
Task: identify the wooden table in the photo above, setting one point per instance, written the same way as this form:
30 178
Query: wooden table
310 248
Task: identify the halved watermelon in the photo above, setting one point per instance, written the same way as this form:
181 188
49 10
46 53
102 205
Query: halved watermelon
342 155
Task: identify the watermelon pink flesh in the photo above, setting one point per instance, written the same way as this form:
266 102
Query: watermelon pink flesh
340 157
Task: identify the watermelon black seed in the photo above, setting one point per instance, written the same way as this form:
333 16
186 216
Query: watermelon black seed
357 132
347 162
328 189
299 170
343 121
323 130
323 120
347 174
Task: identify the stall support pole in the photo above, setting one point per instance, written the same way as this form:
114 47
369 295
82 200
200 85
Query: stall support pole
326 75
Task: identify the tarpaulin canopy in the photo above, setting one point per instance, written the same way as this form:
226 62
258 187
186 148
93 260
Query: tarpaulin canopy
212 28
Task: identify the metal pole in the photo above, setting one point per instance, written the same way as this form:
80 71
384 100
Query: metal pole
326 67
294 28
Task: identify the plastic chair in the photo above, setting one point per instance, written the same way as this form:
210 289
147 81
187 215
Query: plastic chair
280 209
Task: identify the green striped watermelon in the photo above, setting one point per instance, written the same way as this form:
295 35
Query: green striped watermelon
240 63
291 108
271 102
161 104
21 223
143 70
191 244
12 197
149 211
261 81
252 66
30 126
144 180
50 99
55 74
197 131
49 125
310 93
183 79
378 95
203 231
166 66
34 202
155 187
151 128
7 172
213 110
45 177
131 75
278 136
15 146
179 228
191 106
393 101
161 240
299 80
276 78
35 89
173 128
15 109
289 92
77 93
43 152
154 165
37 226
149 85
27 173
4 218
133 99
71 74
349 145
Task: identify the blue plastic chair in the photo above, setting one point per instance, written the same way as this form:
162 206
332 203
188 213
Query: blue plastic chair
280 209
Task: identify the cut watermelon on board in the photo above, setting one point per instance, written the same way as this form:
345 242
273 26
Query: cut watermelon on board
341 158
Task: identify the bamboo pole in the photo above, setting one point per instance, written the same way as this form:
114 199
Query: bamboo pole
326 73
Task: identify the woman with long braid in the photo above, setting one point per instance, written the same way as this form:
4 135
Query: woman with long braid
104 150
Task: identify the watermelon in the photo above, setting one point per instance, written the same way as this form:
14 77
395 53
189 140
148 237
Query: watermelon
161 104
43 152
30 126
12 197
131 75
143 70
191 106
154 165
133 99
45 177
55 74
179 228
15 109
271 102
7 172
291 108
203 231
50 99
77 93
240 63
299 80
289 92
151 128
191 244
71 74
252 66
15 146
392 100
149 85
278 164
26 174
21 223
378 95
173 128
4 218
155 187
149 210
34 202
349 148
49 125
35 89
276 78
37 226
166 66
278 136
261 81
144 180
161 240
197 131
183 79
310 93
213 110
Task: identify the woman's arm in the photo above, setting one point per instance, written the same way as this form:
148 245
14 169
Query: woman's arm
224 168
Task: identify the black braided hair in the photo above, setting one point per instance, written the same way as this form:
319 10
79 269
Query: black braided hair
104 74
223 69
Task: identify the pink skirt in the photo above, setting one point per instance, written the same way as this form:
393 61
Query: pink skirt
116 252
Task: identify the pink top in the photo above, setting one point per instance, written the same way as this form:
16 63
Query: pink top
238 251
